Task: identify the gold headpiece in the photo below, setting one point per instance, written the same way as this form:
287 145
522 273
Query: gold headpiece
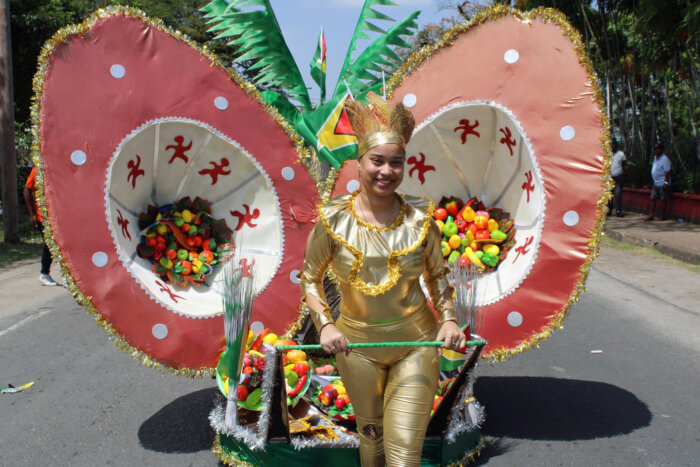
377 123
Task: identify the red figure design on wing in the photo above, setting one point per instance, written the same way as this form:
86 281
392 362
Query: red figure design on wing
523 249
166 289
527 185
467 129
179 149
507 139
124 224
419 166
244 268
135 170
246 218
216 170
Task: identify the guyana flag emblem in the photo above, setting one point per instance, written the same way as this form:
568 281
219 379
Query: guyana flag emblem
336 135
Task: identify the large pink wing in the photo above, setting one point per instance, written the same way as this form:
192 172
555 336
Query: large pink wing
508 110
119 96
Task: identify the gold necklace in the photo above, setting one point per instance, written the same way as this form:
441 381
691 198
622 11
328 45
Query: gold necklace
382 224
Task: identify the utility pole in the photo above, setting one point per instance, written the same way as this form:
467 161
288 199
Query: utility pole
8 157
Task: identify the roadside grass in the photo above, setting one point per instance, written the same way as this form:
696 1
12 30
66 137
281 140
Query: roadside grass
29 246
648 251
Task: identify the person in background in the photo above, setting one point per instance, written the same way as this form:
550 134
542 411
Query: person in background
35 220
661 176
619 173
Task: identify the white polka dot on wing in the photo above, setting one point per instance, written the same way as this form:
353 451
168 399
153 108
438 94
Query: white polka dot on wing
515 319
160 331
511 56
288 173
571 218
221 103
78 157
409 100
257 327
567 133
100 259
118 71
353 185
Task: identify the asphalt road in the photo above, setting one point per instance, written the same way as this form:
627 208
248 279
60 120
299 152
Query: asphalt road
633 402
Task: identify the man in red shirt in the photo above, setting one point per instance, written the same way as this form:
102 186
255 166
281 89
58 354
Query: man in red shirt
35 220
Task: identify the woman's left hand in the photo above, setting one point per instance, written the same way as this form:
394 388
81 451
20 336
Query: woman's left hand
452 336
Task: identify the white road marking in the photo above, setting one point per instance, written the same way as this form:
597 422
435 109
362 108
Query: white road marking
26 320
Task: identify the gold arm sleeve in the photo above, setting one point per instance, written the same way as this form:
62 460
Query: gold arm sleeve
434 275
319 252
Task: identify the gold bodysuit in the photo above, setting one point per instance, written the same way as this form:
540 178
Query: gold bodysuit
378 271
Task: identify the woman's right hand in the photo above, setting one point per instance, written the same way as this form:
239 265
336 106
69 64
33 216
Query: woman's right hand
333 341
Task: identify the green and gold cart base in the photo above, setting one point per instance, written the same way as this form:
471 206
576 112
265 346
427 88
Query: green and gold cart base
436 452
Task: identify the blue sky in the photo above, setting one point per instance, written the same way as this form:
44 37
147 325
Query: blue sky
301 21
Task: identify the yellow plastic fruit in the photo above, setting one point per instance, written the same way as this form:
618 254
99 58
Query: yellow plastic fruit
455 242
492 225
468 214
470 236
159 217
151 235
440 224
161 229
187 215
296 356
270 338
492 249
251 337
473 258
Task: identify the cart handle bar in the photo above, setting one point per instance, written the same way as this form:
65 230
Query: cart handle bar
360 345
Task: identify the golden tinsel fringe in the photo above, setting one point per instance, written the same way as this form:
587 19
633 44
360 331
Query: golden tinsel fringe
232 461
548 15
469 457
62 37
225 457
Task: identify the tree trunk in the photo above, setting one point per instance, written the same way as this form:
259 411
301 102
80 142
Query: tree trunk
8 158
669 120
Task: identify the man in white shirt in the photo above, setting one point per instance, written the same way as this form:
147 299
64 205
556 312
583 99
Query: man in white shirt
661 175
618 171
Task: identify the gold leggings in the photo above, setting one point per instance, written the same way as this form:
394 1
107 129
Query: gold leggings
391 389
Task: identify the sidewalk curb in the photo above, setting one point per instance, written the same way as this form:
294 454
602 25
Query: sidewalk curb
681 255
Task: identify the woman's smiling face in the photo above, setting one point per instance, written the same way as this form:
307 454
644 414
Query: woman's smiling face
381 169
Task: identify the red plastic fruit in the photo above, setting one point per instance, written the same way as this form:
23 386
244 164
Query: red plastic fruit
440 214
301 368
452 207
242 392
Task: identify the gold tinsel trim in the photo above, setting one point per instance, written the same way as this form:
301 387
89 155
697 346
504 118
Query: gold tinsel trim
231 460
62 37
469 457
376 228
227 458
393 263
548 15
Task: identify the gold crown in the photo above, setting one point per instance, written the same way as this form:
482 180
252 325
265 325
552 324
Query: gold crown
377 123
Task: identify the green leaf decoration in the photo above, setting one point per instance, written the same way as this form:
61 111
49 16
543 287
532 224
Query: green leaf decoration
144 250
199 205
145 220
251 27
378 55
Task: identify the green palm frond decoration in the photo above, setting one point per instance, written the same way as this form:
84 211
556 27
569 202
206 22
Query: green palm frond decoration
252 27
379 54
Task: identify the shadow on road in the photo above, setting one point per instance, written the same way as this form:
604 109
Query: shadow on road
181 426
553 409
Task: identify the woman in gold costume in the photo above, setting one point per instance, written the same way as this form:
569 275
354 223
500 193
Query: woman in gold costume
379 243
